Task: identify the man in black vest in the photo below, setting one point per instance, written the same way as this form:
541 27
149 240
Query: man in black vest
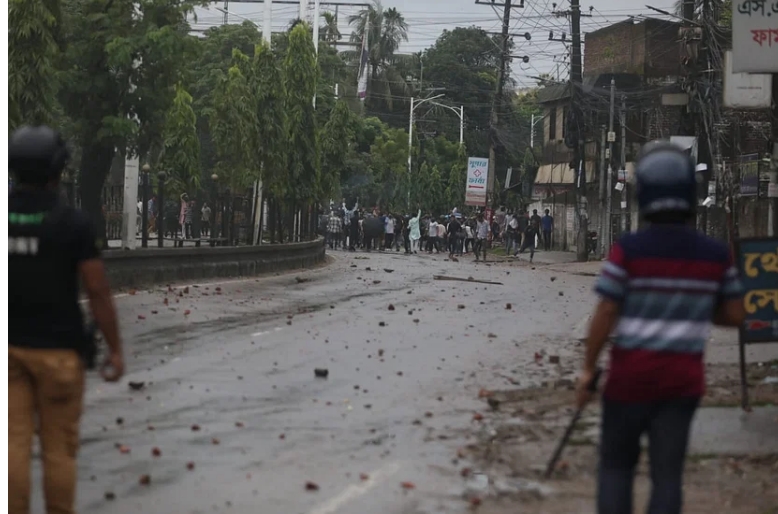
51 247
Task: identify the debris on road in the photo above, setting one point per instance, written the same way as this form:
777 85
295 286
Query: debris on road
302 280
407 485
136 386
553 359
321 372
468 279
110 496
388 270
144 480
311 486
195 428
508 306
156 452
391 307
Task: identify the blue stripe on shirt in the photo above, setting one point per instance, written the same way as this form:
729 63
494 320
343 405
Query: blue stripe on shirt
671 306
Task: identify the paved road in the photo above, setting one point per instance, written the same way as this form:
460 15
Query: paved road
237 359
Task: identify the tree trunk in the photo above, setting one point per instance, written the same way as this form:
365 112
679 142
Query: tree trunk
96 160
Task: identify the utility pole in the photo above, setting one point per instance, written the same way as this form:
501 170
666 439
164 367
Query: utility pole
773 186
577 135
497 100
609 185
623 162
603 214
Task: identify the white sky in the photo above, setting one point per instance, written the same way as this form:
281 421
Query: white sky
428 18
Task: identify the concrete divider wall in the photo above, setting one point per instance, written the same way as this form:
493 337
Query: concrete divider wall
149 266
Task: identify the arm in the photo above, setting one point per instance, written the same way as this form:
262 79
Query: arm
730 311
606 314
611 286
101 304
92 273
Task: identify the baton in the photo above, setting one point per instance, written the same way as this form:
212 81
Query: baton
558 452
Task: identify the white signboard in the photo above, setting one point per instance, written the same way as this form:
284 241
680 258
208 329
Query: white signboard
755 36
746 90
477 174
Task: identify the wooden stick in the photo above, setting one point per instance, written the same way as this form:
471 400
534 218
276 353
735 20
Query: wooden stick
469 279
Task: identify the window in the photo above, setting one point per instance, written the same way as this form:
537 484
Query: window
552 124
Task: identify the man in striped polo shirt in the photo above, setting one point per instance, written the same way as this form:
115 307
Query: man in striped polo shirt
660 291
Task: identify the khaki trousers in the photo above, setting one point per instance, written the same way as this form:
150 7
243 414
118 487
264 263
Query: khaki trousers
45 391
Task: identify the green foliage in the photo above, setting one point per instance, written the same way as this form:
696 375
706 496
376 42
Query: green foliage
233 127
334 147
181 152
387 29
271 149
300 77
32 50
455 183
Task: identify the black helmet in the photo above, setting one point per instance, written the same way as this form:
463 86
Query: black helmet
666 180
37 155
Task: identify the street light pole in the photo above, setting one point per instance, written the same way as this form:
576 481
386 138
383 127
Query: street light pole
414 105
461 114
144 222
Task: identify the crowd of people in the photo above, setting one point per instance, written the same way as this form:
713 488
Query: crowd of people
178 219
455 233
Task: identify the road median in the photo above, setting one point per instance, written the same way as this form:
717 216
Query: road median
167 265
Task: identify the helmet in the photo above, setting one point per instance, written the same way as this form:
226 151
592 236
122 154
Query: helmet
666 181
37 155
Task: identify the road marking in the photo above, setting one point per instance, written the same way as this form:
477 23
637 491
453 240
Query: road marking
354 491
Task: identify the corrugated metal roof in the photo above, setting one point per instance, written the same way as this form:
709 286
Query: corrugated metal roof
562 173
553 92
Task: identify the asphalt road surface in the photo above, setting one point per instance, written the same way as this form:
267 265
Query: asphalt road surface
241 424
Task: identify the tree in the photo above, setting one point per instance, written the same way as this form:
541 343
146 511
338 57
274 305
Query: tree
464 63
181 153
387 29
334 145
233 126
455 183
32 48
300 78
388 163
329 32
271 149
121 64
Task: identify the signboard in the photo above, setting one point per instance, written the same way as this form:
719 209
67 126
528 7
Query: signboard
746 90
758 263
755 36
477 174
749 174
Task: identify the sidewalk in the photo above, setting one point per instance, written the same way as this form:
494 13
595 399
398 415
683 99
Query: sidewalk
564 262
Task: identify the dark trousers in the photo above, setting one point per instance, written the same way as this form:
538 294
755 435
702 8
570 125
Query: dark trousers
529 242
547 240
480 246
388 238
353 236
667 425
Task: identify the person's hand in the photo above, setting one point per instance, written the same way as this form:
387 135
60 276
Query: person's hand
113 367
583 393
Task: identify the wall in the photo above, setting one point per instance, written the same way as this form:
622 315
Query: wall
649 48
167 265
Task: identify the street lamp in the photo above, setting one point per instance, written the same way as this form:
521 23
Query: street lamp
161 178
414 105
144 238
461 114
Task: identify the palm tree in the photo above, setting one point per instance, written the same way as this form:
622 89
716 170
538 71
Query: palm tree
388 30
329 31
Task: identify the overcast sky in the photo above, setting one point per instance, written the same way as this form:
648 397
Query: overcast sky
428 18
